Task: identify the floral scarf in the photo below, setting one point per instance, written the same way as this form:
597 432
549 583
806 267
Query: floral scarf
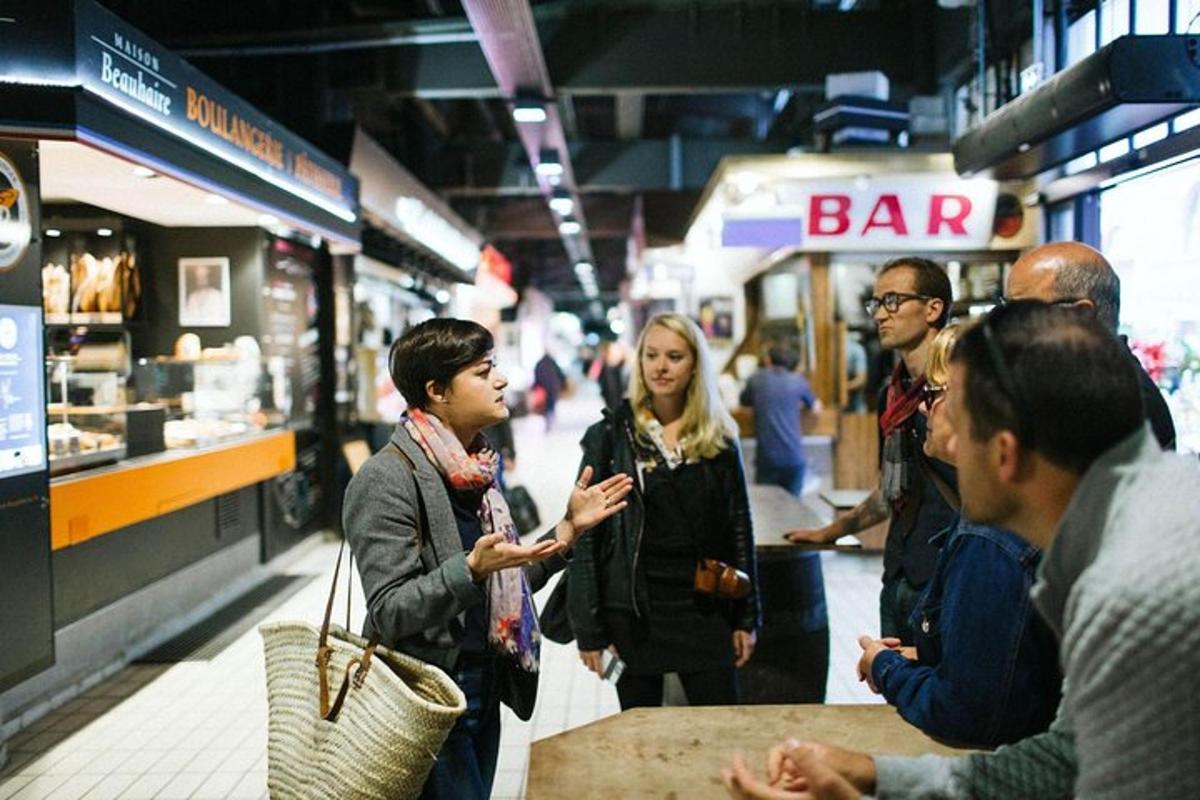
512 620
649 424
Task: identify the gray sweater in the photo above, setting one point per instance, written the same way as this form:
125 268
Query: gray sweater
1120 585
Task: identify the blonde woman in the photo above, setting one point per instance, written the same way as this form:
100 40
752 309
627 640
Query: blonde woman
632 581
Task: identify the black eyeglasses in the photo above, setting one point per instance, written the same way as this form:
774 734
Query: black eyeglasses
891 302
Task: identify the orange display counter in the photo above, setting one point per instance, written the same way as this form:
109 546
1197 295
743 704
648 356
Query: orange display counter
109 499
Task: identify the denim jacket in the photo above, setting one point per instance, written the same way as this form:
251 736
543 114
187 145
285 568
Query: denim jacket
987 672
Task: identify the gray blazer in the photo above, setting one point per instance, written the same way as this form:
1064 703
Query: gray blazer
417 591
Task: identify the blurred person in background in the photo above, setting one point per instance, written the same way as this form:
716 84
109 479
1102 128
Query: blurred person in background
633 584
910 304
856 373
984 669
611 374
549 381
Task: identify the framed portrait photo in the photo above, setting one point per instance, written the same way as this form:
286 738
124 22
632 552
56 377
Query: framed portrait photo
205 295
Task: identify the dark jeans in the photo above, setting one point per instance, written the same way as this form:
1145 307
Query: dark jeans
466 764
710 687
790 478
896 603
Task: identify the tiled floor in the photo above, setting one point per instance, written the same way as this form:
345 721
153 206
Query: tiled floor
198 729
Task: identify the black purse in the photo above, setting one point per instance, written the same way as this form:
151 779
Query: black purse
523 509
554 621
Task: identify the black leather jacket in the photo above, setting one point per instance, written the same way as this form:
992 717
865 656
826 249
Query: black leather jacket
604 572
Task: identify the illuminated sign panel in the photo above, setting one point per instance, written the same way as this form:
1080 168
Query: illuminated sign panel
121 65
884 213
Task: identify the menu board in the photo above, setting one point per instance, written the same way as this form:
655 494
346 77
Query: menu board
22 400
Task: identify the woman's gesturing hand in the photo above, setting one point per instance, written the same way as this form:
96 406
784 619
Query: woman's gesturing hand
591 505
494 552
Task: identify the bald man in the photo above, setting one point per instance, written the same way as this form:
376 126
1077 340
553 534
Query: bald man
1072 273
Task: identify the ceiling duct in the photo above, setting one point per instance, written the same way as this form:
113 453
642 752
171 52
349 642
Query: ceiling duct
1129 84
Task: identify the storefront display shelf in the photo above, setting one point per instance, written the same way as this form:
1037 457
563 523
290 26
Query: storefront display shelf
61 465
157 484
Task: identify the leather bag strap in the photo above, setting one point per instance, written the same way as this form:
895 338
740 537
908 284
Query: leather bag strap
330 711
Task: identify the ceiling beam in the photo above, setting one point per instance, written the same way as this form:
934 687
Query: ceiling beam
322 39
497 169
513 50
672 51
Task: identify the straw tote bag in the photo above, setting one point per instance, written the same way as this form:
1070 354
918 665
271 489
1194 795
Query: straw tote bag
377 739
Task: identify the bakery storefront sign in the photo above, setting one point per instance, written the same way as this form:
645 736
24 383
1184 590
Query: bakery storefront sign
877 214
15 230
118 63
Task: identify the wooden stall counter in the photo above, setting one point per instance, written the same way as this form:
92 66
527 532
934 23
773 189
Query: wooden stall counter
89 504
679 752
775 511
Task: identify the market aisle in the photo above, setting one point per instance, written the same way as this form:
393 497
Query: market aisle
197 729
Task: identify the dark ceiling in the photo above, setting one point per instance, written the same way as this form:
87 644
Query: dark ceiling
650 95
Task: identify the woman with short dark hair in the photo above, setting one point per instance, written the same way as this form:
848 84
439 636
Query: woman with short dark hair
445 577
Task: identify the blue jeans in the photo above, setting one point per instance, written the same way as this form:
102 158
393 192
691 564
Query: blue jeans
466 764
790 478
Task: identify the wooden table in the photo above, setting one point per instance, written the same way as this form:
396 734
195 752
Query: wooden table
776 511
679 752
843 501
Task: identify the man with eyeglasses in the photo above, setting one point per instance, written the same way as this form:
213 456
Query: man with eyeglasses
910 304
1071 273
1046 413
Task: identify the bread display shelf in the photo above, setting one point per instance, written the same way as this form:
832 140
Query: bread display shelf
59 408
86 318
77 461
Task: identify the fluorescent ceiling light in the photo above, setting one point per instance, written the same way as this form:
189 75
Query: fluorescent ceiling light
144 172
584 268
562 203
104 231
53 233
442 296
548 163
529 111
569 227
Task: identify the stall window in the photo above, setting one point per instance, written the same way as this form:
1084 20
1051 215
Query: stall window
1114 150
1151 135
1152 16
1157 257
1114 20
1060 222
1085 161
1187 120
1081 37
1185 12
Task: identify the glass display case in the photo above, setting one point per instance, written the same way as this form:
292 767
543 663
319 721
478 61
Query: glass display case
222 395
86 416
